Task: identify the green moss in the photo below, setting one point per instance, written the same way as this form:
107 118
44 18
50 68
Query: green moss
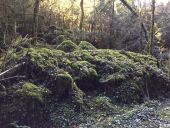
62 85
67 46
86 45
78 95
65 83
115 71
31 91
147 59
83 69
77 77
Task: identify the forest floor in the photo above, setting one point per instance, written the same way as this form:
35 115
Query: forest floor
151 114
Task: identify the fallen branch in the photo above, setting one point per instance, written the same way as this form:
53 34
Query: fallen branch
4 79
11 69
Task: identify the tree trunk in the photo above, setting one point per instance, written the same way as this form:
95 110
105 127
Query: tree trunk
169 62
94 18
112 18
82 15
141 30
150 46
35 19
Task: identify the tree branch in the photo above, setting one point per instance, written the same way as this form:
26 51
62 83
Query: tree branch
129 7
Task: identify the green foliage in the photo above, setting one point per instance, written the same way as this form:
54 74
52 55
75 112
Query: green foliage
67 46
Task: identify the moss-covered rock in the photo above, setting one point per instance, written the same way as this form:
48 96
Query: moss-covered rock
83 69
32 92
86 45
114 72
78 95
25 104
67 46
55 35
62 85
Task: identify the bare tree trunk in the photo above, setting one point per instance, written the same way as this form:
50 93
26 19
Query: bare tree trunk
5 21
112 18
141 31
94 18
72 13
82 15
150 45
169 62
35 19
111 22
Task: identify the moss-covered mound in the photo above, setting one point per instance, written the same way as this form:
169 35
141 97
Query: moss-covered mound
86 45
55 35
72 74
125 75
67 46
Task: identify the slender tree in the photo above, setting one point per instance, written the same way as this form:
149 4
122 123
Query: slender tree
35 19
112 17
94 17
151 38
82 14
